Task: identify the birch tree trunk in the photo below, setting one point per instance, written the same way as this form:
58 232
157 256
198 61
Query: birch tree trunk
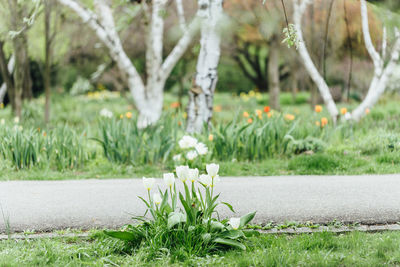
147 95
299 9
382 73
273 74
200 106
7 79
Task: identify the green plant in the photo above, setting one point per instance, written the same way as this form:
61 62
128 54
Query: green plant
192 228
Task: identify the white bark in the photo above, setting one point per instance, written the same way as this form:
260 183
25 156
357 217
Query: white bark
3 88
148 96
298 11
200 105
381 73
181 15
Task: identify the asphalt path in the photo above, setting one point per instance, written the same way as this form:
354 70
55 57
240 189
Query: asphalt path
92 203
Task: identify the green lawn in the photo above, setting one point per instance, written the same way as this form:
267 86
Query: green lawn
317 249
370 147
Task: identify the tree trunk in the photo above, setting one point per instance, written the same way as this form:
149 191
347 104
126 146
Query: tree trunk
201 95
6 70
323 88
273 74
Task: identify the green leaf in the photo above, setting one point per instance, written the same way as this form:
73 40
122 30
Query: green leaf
229 242
175 218
233 234
122 235
228 205
246 218
216 226
187 208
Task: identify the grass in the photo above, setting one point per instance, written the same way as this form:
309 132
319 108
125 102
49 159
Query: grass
370 147
317 249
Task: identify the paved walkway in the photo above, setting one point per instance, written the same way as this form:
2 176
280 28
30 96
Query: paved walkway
49 205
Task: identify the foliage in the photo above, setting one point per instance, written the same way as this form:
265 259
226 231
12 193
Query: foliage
189 229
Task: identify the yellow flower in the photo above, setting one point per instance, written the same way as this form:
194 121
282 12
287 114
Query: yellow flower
270 114
252 93
259 113
289 117
318 123
211 137
246 114
318 108
324 121
128 115
184 115
121 116
1 105
343 111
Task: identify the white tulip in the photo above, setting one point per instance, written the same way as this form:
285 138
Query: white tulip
187 142
157 198
191 155
106 113
177 157
148 183
235 223
201 149
182 172
347 116
169 179
212 169
206 180
193 175
16 120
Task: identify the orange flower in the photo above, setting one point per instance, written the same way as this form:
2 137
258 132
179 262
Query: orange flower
175 105
179 123
367 111
128 115
289 117
259 113
269 114
250 120
343 111
246 114
267 109
318 108
318 123
44 134
210 137
218 108
324 121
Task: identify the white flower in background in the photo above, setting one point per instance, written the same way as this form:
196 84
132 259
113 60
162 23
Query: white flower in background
16 120
106 113
183 173
2 121
235 223
206 180
201 149
187 142
157 198
177 157
347 116
148 183
169 179
193 175
212 169
191 155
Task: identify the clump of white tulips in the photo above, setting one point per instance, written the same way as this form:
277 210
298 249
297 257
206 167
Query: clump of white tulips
190 150
186 218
